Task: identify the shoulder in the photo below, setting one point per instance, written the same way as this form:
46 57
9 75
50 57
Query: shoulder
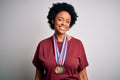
46 41
76 40
73 39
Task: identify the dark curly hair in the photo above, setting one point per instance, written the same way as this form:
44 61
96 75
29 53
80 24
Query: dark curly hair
58 7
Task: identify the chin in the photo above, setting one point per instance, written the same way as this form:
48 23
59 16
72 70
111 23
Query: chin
62 32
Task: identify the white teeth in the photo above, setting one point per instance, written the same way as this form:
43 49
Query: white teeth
62 28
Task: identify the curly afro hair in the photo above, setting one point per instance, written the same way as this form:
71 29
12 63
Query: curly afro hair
58 7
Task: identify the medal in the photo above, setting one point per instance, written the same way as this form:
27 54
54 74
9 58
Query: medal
60 56
59 69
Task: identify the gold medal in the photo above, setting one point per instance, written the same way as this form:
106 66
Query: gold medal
60 56
59 69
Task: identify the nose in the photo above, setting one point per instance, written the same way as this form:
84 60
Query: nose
63 23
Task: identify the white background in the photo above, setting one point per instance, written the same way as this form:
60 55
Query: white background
23 24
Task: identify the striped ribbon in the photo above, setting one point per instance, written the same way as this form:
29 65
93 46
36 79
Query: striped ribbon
60 56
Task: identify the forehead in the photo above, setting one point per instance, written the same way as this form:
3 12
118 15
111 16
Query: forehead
63 14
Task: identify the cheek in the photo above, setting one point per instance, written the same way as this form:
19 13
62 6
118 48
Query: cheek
57 24
68 26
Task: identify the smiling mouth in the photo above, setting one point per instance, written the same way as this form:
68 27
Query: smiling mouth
62 27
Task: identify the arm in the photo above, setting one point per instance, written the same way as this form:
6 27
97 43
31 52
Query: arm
83 75
38 75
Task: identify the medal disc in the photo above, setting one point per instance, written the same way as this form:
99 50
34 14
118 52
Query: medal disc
59 69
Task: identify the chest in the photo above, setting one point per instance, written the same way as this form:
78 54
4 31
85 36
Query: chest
71 62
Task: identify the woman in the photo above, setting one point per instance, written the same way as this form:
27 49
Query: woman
61 56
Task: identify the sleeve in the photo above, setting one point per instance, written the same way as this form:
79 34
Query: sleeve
36 60
82 57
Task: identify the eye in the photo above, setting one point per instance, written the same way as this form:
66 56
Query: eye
67 21
60 19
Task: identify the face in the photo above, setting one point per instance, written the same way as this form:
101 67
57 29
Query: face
62 22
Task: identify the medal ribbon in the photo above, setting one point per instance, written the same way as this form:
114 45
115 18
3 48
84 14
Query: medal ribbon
60 56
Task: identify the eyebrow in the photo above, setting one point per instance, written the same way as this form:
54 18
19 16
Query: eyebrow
63 18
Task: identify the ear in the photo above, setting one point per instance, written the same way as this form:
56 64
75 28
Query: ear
52 21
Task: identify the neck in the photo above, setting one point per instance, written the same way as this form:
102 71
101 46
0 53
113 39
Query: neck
59 37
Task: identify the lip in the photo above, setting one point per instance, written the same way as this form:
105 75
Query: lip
62 27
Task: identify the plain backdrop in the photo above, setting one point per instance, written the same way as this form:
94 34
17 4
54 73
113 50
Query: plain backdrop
23 24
